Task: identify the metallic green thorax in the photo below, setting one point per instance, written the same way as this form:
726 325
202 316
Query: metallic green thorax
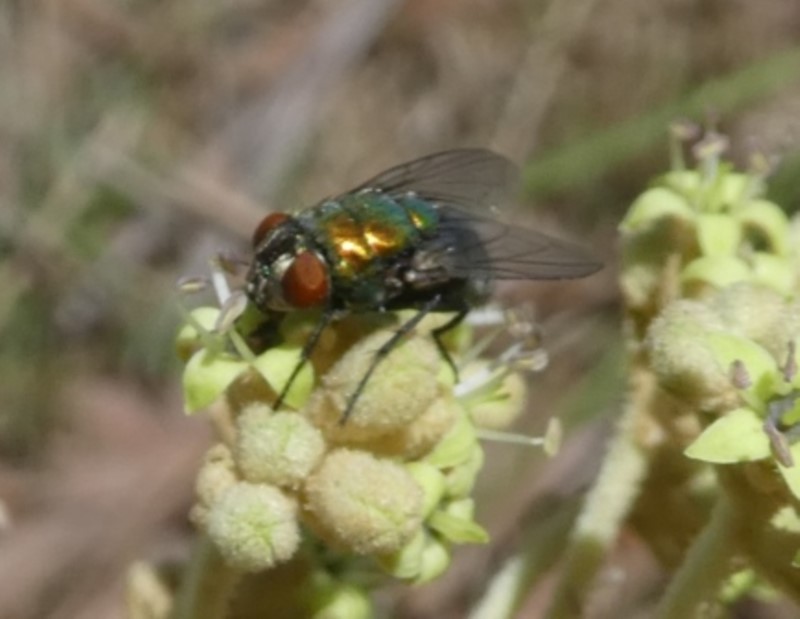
364 233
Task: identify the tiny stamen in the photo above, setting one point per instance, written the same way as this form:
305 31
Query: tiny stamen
708 151
550 442
789 368
779 442
220 282
230 311
740 377
534 361
192 285
486 316
510 437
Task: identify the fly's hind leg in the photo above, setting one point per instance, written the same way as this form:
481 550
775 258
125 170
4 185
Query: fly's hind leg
439 332
386 348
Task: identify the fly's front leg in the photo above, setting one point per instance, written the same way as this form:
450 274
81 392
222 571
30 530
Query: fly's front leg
308 348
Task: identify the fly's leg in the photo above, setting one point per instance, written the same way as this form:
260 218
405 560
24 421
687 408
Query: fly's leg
305 354
385 349
439 332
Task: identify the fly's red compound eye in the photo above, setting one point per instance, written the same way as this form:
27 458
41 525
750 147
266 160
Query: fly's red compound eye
267 225
305 283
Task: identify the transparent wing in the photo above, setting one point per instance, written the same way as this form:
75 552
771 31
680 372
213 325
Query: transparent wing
474 178
476 247
467 185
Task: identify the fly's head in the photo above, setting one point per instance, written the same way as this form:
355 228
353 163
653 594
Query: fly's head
287 272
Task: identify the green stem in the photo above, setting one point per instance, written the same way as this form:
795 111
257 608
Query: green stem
705 567
207 586
768 548
607 504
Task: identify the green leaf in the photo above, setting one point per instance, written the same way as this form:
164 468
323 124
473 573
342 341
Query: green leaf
719 271
197 332
457 530
203 318
432 482
786 519
276 366
738 585
768 220
456 447
653 205
760 365
718 235
730 189
774 272
461 477
436 559
206 376
406 563
738 436
686 183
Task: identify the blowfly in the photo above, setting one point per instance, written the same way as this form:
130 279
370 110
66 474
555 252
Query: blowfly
422 235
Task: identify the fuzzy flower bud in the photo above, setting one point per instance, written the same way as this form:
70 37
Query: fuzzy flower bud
758 313
682 358
276 448
418 438
402 387
366 504
216 475
254 526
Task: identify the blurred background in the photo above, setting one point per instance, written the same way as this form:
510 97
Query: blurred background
138 138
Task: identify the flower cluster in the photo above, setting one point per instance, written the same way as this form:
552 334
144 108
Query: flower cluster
734 355
710 281
698 230
393 483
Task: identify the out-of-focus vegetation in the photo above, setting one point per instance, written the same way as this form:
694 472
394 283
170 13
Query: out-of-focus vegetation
137 138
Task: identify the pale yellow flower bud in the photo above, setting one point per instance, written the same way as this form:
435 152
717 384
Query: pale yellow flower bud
401 389
682 359
254 526
276 448
418 437
366 504
216 475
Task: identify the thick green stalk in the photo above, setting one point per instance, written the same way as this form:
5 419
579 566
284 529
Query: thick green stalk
607 504
693 590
